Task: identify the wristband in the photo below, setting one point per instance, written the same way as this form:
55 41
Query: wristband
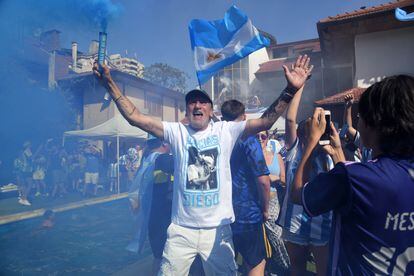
117 99
290 90
286 97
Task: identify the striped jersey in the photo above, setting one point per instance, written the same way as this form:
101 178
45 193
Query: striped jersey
292 217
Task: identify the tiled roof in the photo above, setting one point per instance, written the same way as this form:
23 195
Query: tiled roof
368 10
310 43
274 65
339 98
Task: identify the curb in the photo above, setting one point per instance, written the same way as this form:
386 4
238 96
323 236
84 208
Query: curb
39 212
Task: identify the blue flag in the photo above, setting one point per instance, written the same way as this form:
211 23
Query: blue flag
219 43
403 16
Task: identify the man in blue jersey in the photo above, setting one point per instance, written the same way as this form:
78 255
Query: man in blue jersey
373 201
251 192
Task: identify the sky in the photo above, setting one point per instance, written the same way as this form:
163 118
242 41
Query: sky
157 30
154 30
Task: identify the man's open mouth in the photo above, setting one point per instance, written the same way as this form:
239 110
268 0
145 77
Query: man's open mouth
197 113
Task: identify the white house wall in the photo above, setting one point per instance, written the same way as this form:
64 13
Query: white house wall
255 59
382 54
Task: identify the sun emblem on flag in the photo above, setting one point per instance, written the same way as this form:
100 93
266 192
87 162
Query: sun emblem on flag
211 56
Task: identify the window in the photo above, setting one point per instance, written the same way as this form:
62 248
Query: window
153 104
303 51
281 52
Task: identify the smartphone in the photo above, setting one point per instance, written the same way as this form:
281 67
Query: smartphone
326 136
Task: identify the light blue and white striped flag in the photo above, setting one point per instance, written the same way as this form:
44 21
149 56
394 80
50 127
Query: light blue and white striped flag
403 16
219 43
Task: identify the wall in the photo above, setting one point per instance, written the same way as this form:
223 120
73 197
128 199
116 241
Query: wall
168 110
93 99
255 59
93 95
382 54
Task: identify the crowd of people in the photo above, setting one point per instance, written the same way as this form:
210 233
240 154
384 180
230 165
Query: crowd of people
53 171
219 196
213 193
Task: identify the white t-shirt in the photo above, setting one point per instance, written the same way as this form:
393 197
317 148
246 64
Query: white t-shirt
202 179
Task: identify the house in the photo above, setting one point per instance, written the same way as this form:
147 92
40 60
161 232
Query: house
362 47
151 99
271 78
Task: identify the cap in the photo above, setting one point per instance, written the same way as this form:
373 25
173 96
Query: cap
151 137
153 142
197 92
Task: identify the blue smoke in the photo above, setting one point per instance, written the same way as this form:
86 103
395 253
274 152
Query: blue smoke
99 12
48 14
28 111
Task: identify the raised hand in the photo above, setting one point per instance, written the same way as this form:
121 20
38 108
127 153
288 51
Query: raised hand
349 100
104 74
316 125
299 72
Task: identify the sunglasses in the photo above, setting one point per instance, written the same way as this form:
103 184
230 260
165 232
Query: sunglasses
261 136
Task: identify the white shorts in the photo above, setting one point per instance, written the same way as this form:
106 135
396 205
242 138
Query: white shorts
91 178
214 245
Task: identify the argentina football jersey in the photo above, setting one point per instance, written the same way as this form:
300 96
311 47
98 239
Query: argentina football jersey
373 231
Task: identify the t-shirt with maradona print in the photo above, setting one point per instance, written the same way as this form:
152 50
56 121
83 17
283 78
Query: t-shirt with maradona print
202 195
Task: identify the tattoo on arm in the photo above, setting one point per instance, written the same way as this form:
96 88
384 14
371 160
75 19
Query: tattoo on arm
275 109
126 107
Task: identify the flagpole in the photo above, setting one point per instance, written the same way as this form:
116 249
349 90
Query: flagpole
212 88
199 83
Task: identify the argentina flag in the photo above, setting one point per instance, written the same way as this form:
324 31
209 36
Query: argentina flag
219 43
403 16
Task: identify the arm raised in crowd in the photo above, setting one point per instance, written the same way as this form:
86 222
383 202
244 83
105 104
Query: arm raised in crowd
296 78
349 101
290 123
316 127
126 107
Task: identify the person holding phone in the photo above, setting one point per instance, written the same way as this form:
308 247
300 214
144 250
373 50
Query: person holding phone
372 201
301 233
361 153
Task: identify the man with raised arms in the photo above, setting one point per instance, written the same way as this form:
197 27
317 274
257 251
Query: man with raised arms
202 213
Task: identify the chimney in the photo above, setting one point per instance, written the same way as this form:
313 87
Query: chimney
50 40
74 55
51 77
93 47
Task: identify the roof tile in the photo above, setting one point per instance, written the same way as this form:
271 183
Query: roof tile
339 98
368 10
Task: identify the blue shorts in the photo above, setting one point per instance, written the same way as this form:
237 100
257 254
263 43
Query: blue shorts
303 240
252 244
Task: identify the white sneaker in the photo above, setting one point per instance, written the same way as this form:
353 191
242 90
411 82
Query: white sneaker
24 202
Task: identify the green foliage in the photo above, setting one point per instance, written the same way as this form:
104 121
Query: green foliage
167 76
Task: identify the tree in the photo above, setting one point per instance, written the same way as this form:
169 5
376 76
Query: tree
167 76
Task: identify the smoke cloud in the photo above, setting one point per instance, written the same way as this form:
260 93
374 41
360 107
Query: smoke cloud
29 111
49 13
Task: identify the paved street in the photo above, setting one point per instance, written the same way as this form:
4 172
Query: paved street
88 240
